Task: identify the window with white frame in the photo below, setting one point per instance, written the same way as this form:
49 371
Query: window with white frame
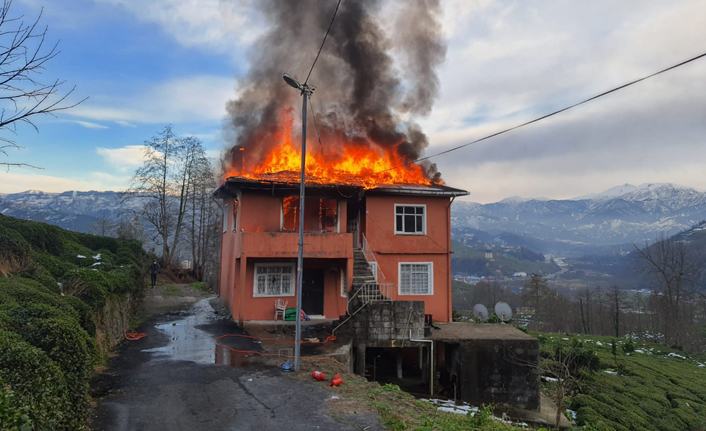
273 279
416 278
225 218
410 219
344 287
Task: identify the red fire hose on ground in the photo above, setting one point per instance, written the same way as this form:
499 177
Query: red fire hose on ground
254 352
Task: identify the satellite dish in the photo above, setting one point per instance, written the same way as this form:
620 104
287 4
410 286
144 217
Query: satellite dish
480 311
503 311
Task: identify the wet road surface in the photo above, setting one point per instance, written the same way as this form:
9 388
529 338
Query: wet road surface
170 381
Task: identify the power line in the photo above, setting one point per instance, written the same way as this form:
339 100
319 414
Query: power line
311 104
545 116
322 42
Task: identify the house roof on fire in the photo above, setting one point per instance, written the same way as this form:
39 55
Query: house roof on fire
278 186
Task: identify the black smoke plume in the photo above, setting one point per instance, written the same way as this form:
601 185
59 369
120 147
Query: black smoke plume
375 74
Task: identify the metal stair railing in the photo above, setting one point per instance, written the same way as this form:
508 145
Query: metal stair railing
370 258
367 293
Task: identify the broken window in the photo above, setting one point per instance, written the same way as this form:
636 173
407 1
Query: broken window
320 214
328 215
290 213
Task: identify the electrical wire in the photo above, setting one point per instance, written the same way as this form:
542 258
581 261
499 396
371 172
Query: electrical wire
322 42
544 116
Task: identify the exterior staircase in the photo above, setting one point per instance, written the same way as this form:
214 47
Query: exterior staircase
364 283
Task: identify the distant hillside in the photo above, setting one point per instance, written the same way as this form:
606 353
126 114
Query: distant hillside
71 210
472 260
620 215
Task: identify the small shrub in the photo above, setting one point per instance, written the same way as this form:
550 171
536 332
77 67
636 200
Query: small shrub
37 382
12 417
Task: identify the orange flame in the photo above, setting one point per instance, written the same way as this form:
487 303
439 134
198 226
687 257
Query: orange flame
336 163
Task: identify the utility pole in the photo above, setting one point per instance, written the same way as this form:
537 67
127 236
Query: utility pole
306 93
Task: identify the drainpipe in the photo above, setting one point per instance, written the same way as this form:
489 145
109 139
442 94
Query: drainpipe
431 361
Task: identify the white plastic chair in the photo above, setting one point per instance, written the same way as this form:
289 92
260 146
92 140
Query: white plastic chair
280 307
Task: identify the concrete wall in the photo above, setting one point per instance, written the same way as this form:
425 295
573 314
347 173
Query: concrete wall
492 371
381 324
391 249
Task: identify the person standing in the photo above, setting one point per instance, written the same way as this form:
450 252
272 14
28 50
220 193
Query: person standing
154 269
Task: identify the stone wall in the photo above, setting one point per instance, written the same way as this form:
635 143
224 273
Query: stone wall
112 320
380 323
492 371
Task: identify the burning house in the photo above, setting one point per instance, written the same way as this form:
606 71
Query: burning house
377 229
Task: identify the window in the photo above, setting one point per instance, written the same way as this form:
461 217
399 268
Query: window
225 218
410 219
344 287
290 213
273 279
235 215
416 278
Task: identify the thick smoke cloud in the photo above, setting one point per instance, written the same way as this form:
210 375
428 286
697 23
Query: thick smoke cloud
375 74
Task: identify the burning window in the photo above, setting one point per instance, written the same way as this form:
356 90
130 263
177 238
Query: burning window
410 219
328 215
320 214
416 278
290 213
274 280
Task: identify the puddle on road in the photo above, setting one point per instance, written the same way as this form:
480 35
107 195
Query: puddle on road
186 341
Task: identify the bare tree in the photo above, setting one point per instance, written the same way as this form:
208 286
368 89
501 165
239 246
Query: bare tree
617 304
23 57
533 294
103 225
166 181
203 217
673 267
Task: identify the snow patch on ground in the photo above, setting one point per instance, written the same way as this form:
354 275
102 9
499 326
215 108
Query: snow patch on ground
674 355
80 256
611 372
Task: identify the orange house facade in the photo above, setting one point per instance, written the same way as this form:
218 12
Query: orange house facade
403 233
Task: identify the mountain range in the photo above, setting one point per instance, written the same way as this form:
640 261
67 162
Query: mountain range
595 223
618 216
71 210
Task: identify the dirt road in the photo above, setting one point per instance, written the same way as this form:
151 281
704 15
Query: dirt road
169 380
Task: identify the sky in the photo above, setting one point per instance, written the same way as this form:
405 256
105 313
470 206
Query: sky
146 64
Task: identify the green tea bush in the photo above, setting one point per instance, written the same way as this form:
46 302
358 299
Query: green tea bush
38 385
12 417
61 337
57 267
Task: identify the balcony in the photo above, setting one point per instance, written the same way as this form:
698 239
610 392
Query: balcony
327 245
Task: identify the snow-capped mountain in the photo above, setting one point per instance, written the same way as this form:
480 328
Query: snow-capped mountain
618 215
70 210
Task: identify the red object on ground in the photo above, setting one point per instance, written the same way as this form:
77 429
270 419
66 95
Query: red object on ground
337 380
318 375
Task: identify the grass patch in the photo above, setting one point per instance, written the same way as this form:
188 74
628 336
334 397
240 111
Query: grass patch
400 411
649 387
170 290
201 285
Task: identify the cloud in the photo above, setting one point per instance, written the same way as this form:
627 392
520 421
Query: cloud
124 123
188 99
28 179
219 25
89 125
509 63
124 158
